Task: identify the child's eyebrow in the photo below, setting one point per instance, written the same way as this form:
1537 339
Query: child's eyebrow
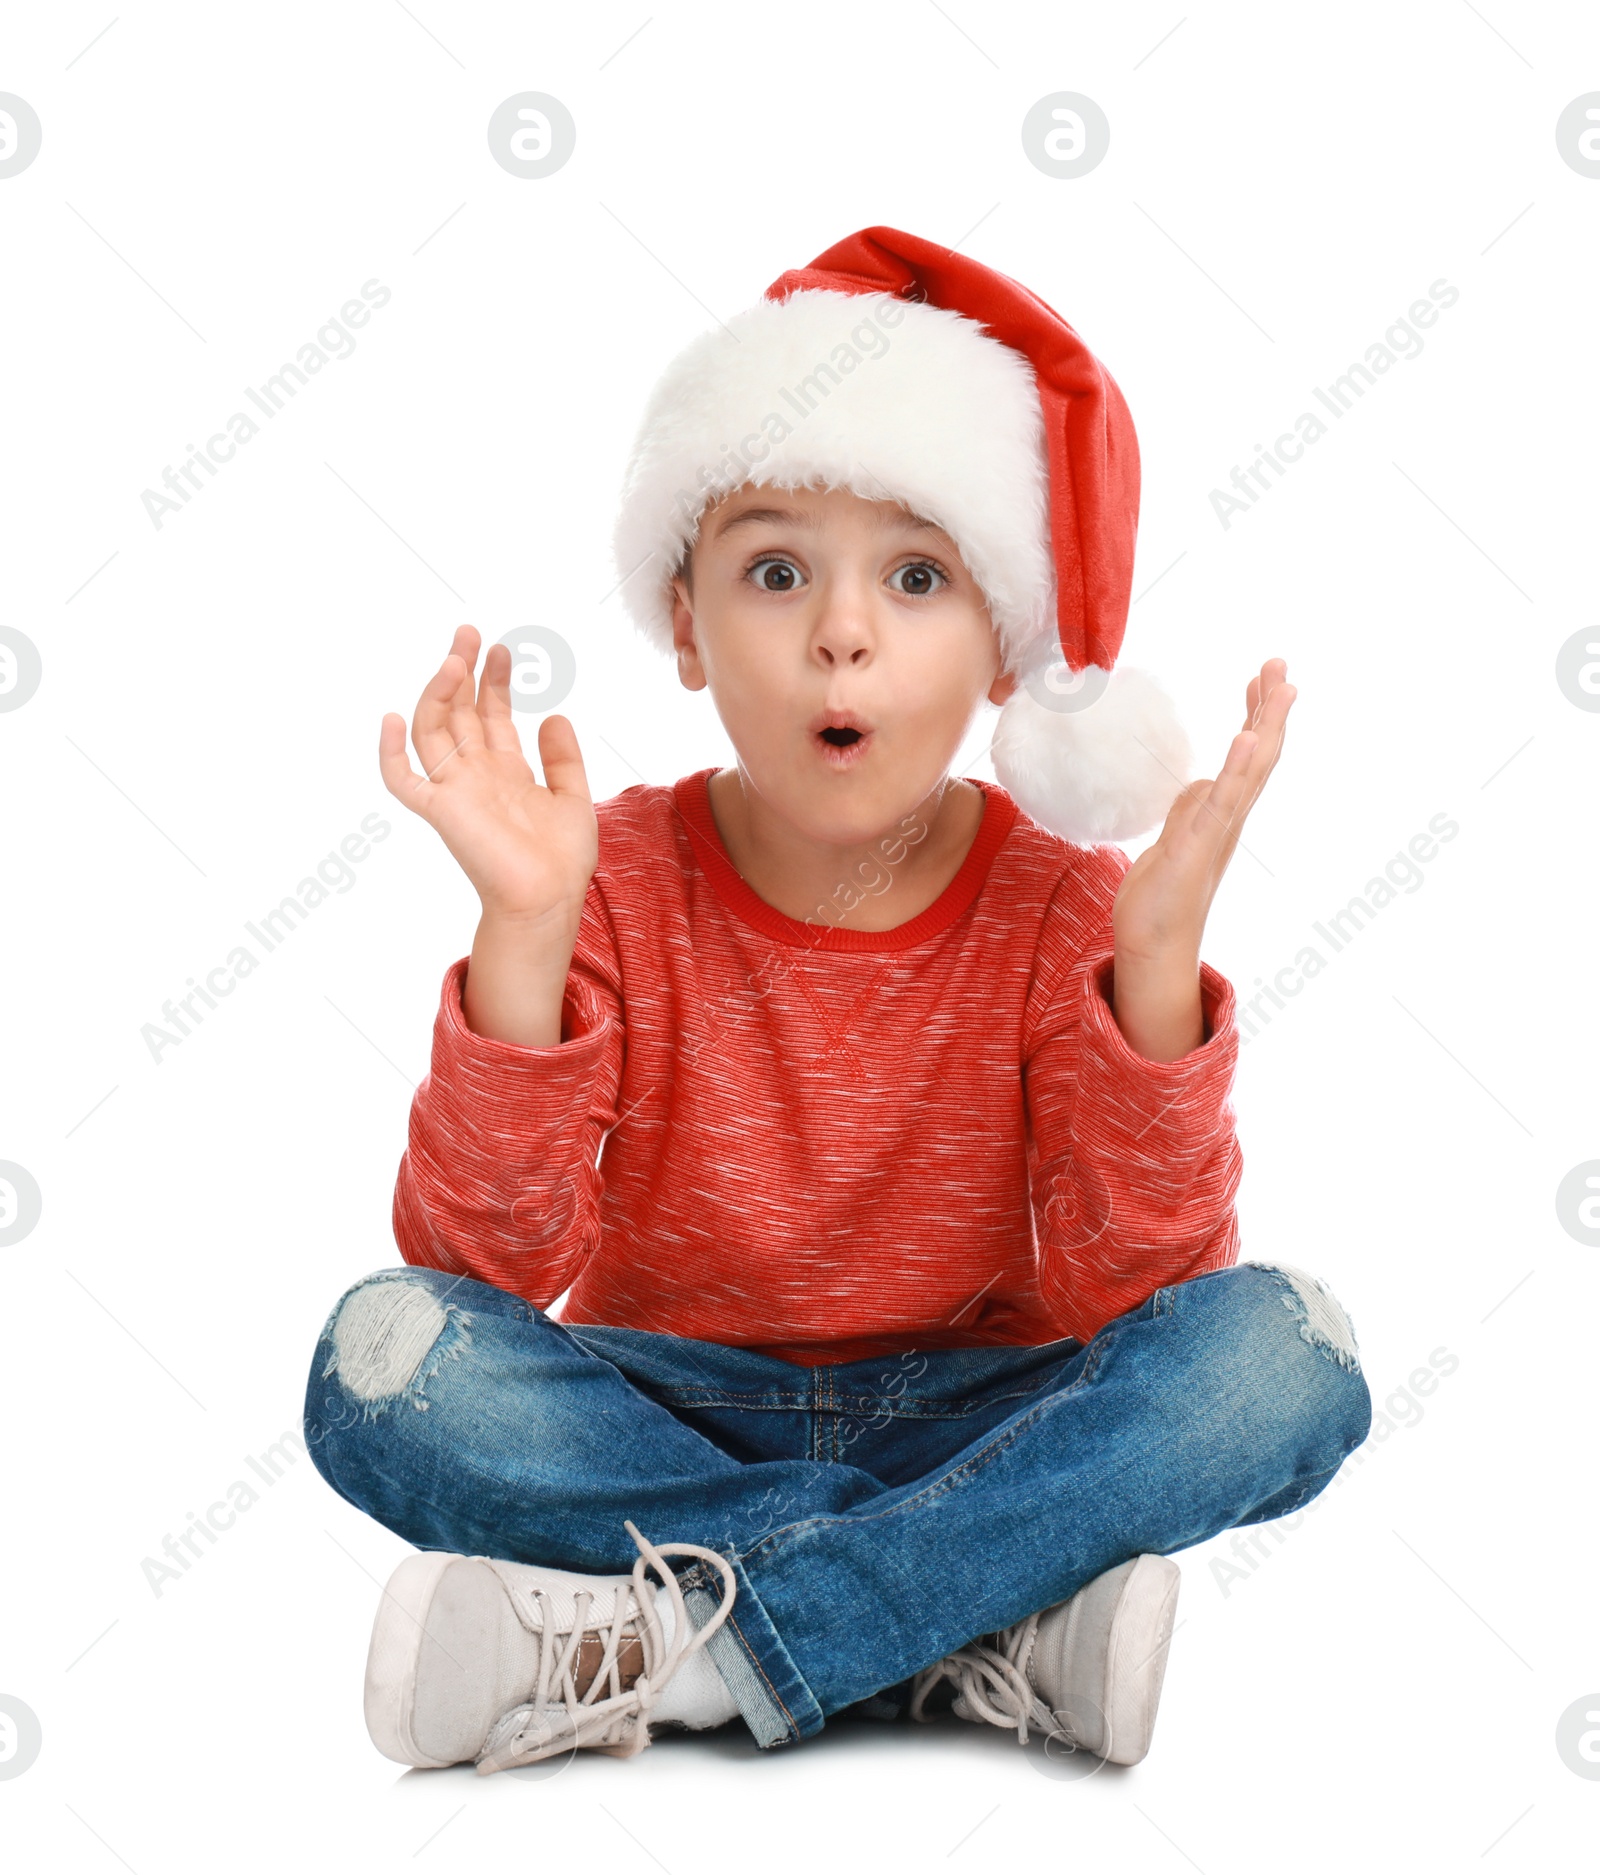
777 517
793 517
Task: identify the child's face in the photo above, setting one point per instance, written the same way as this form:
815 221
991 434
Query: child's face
806 607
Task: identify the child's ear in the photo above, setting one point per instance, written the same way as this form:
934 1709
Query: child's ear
691 672
1003 687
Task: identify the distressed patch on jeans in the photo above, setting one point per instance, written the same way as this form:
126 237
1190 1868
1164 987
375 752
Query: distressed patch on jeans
1319 1312
390 1337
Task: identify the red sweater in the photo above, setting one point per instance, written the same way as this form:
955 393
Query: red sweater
821 1142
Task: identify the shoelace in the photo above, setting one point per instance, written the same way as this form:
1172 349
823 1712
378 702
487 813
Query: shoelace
557 1718
991 1684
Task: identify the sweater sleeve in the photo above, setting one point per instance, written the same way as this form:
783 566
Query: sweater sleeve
499 1179
1134 1164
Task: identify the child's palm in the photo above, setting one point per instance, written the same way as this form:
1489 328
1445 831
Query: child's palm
529 849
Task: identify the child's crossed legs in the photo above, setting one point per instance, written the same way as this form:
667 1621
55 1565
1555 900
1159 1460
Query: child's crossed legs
877 1514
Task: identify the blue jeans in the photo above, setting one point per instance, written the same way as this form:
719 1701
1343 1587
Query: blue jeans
878 1514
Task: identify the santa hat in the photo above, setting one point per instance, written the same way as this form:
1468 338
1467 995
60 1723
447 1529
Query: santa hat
903 371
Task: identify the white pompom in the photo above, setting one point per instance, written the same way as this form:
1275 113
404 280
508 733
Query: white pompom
1104 770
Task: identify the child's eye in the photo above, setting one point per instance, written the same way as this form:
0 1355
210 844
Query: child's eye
774 575
918 578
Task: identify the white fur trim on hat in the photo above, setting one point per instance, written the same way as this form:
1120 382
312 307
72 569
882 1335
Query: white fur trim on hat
1107 770
892 399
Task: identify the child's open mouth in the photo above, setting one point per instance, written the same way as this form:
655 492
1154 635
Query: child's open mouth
840 738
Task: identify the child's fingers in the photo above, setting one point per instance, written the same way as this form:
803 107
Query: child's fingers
1275 713
1251 759
465 644
1271 719
494 702
1268 700
430 724
443 724
464 722
1260 688
1218 814
561 758
402 781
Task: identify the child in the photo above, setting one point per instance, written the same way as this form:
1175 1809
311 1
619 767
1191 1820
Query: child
906 1334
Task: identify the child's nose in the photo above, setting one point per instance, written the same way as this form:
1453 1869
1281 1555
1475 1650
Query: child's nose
844 630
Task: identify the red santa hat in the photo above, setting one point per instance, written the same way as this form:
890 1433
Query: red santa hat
904 371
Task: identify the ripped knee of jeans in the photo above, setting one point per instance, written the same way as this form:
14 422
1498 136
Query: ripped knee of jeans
1318 1312
390 1336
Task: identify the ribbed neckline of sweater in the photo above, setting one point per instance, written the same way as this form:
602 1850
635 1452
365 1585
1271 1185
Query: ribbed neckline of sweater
692 797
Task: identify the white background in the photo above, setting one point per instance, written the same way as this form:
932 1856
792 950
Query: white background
1383 1689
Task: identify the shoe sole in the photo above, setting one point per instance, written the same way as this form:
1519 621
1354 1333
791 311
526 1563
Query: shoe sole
394 1658
1136 1656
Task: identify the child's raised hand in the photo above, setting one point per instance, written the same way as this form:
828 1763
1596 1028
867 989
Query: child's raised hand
1165 895
529 849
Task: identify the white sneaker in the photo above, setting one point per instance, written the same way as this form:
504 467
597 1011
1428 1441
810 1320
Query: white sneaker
1087 1671
501 1663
